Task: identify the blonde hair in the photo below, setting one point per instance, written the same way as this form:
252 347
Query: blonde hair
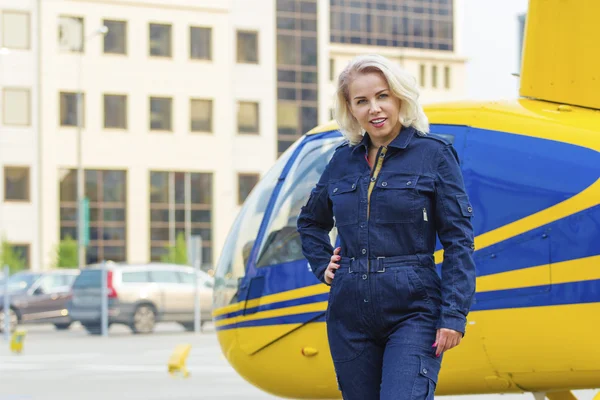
401 83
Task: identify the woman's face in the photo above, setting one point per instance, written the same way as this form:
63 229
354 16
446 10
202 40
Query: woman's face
374 106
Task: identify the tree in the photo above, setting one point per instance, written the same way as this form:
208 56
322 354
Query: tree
66 253
176 254
11 257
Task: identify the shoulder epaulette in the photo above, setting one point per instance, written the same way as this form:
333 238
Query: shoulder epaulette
437 137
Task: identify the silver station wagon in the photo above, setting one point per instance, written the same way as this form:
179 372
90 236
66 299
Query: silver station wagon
141 295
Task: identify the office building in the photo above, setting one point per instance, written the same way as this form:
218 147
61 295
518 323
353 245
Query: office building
184 105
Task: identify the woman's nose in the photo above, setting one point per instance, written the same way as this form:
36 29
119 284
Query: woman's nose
374 108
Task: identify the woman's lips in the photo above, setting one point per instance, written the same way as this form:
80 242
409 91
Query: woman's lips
378 122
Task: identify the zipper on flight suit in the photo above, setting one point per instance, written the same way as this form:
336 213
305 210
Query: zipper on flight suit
374 175
373 180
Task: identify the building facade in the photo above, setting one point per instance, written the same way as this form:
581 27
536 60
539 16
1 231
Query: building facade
176 111
19 126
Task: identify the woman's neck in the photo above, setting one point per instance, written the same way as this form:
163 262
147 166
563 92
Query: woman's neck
377 142
382 143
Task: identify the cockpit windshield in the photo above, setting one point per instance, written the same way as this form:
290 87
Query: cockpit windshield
282 241
238 246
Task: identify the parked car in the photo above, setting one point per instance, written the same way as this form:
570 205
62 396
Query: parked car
141 295
38 297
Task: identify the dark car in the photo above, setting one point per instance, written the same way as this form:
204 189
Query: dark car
39 297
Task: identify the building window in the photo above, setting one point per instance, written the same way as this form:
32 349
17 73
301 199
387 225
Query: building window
70 34
447 77
434 76
201 115
200 43
331 69
16 183
308 50
422 75
115 40
161 111
160 40
115 111
248 117
22 250
247 47
68 109
15 30
424 24
17 107
287 118
180 203
107 194
287 50
297 70
246 183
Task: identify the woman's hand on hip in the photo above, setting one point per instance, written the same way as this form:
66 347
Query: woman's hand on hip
330 271
445 340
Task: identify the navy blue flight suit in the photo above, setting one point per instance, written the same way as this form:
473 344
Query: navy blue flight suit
387 300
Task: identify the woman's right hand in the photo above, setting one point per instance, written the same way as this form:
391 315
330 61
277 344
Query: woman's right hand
330 271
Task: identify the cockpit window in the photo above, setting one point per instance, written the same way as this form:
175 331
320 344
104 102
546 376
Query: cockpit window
281 242
238 246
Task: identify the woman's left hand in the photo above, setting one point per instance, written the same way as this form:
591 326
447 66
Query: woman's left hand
445 340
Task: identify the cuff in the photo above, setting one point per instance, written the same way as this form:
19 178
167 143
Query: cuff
454 321
320 275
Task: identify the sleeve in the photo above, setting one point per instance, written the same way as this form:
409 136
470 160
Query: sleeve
455 231
314 224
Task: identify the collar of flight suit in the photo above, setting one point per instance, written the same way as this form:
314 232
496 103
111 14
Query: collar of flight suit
401 141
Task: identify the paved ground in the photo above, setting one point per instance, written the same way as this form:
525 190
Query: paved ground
73 365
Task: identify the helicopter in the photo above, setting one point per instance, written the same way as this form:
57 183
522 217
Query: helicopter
531 167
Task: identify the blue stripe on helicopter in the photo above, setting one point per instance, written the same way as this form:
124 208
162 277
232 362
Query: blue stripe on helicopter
533 296
549 295
318 316
531 248
274 306
555 295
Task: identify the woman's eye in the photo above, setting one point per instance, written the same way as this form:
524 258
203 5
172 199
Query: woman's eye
360 101
382 95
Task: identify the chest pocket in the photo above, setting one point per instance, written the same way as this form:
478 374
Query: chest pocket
397 199
344 195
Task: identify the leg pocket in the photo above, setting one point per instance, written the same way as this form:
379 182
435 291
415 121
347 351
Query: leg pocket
426 381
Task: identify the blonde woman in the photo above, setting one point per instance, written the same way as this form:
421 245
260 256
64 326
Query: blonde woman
390 188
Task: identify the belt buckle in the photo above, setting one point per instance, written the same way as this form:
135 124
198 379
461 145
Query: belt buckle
350 266
382 266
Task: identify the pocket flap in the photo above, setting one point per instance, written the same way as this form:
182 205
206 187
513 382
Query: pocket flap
465 206
429 368
397 181
342 186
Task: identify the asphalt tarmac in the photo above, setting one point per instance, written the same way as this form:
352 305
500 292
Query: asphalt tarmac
74 365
